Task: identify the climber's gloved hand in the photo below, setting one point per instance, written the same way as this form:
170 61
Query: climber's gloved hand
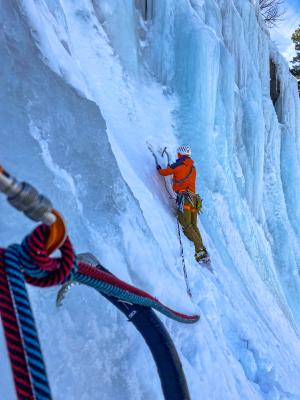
158 167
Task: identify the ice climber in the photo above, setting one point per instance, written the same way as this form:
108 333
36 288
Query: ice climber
184 185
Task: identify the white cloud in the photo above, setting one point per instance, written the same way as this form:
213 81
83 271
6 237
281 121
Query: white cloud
283 32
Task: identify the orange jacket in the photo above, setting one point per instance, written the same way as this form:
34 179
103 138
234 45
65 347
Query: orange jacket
184 174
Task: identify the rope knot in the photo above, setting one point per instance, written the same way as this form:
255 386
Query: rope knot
39 269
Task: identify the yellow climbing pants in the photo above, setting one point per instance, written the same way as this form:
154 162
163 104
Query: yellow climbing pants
188 221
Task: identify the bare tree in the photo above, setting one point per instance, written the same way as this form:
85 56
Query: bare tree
272 11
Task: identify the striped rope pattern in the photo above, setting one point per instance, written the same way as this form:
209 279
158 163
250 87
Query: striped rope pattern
33 254
27 325
29 262
112 286
14 342
39 269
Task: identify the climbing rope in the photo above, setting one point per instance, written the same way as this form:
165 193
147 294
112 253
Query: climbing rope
14 341
110 285
34 357
29 262
188 289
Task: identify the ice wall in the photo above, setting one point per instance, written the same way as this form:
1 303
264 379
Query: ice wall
220 72
84 85
54 137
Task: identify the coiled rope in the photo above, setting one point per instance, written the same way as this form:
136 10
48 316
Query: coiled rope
29 262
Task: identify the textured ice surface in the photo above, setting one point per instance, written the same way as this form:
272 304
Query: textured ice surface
83 86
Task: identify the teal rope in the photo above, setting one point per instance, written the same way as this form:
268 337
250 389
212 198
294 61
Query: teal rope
125 295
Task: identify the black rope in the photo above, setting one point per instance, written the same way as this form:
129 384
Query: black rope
188 289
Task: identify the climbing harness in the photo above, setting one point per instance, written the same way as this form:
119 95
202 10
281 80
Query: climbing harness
30 262
195 201
199 203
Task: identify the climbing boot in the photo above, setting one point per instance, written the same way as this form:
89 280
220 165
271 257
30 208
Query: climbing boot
202 256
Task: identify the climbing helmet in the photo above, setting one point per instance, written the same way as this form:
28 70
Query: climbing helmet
184 150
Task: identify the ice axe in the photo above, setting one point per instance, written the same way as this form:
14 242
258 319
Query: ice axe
165 151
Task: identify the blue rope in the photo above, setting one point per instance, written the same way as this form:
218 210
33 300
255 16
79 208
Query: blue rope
26 262
17 262
125 295
28 328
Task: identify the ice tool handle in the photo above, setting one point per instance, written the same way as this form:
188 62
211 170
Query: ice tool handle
165 151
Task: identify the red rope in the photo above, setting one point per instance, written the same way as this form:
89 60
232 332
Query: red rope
111 279
58 268
13 338
33 258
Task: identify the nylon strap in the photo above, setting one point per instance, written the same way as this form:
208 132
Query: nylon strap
186 178
190 208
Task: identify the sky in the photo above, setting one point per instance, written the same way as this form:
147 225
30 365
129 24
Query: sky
283 32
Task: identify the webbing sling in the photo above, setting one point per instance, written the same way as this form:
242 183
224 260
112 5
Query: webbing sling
190 208
186 178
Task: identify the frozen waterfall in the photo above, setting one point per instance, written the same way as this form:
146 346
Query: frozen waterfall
84 85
